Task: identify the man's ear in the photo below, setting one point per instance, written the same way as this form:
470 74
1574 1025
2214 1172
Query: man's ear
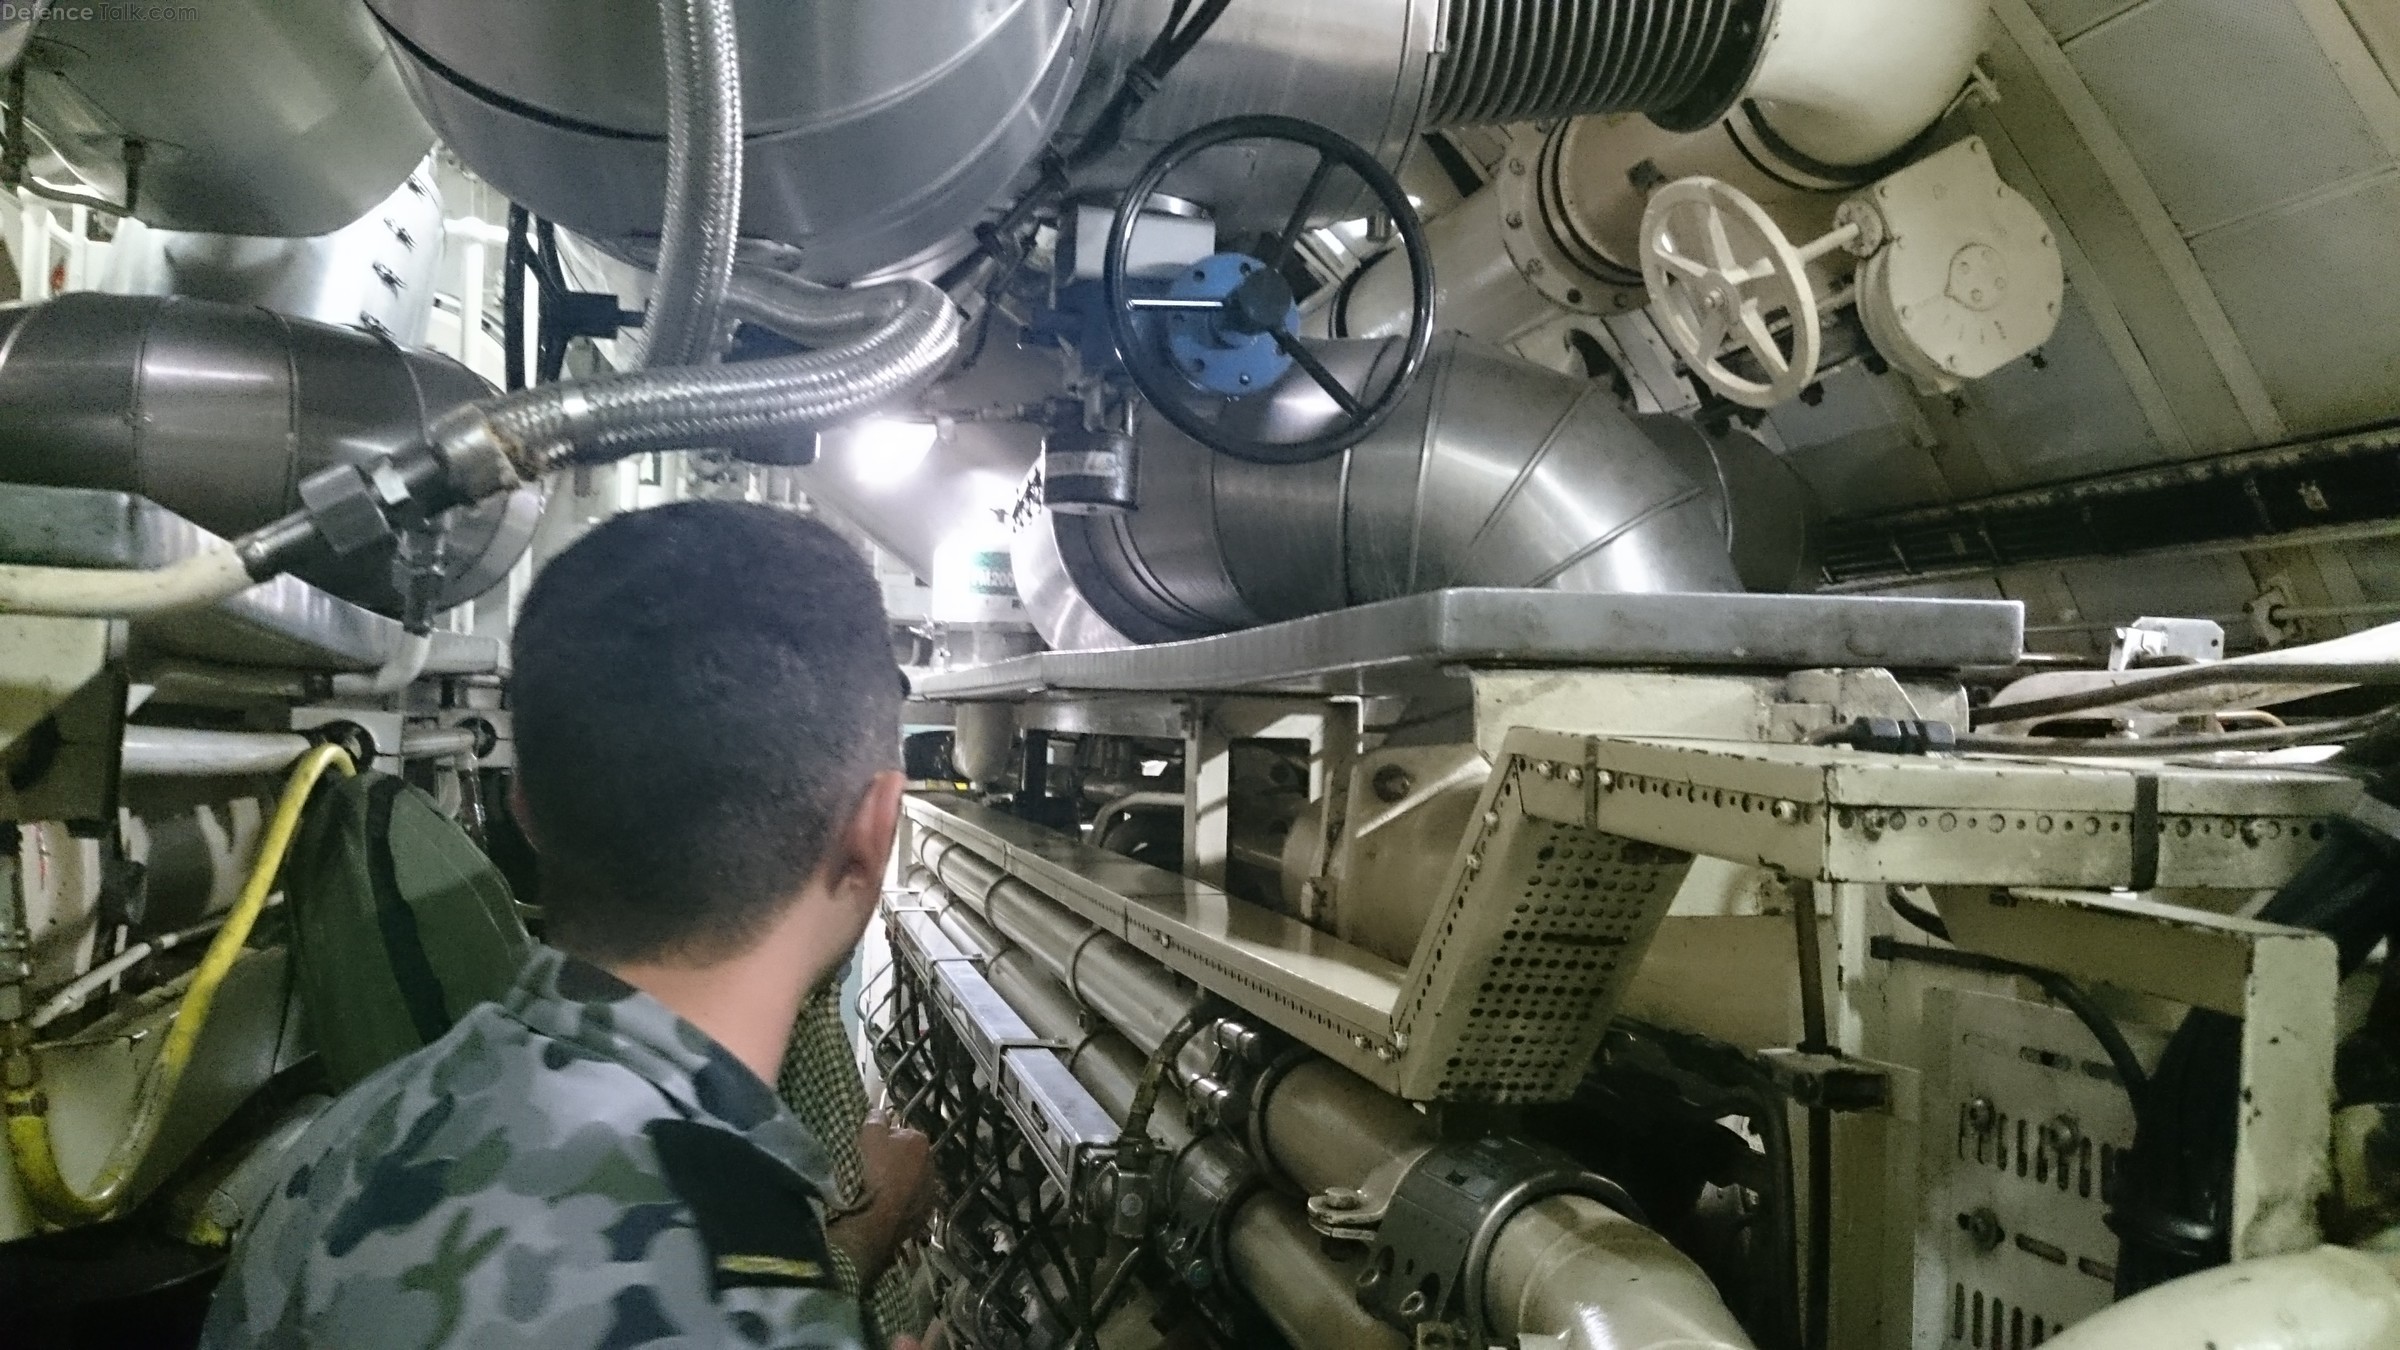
522 812
864 848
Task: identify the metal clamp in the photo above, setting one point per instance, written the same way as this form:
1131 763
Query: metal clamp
1254 1115
1446 1213
1206 1182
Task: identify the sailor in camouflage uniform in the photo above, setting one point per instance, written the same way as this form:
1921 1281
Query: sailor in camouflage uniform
578 1166
598 1160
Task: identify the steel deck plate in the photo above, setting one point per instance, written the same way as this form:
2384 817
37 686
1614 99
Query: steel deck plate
1374 648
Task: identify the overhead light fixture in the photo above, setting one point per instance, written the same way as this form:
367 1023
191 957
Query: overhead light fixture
885 451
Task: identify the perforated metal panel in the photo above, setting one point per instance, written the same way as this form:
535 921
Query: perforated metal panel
2014 1242
1546 921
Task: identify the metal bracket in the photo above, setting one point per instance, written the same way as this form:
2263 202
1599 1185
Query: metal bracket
1068 1129
1835 1082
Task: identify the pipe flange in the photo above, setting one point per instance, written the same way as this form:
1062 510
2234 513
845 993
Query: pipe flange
1254 1125
1566 1181
1534 232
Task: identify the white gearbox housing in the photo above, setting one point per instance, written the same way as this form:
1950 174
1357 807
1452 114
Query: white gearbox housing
1963 275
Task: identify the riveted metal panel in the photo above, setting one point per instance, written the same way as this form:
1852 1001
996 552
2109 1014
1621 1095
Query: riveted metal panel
1832 814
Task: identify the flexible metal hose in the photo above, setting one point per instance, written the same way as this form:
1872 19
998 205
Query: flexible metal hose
809 313
609 417
704 183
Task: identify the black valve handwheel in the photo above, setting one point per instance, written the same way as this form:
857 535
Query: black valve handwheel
1263 300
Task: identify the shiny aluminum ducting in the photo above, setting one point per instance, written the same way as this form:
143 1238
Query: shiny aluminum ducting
1494 472
282 118
871 136
216 412
871 141
1383 72
376 273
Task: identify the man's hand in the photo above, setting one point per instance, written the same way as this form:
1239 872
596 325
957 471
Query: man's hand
898 1164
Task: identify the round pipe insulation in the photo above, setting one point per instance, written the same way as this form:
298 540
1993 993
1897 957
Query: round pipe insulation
1494 472
218 413
1850 82
1580 1272
2331 1298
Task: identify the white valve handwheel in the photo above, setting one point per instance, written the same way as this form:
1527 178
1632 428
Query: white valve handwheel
1720 272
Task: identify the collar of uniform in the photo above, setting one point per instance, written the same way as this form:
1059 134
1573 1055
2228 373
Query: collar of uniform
579 1004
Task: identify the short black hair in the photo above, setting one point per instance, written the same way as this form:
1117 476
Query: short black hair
702 694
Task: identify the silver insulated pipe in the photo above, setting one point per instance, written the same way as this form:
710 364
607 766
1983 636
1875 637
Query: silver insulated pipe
872 133
218 412
873 141
1494 472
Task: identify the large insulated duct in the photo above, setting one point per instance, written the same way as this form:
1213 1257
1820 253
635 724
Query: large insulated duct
1384 72
377 272
1494 472
1838 90
284 118
870 138
871 142
1564 1271
216 412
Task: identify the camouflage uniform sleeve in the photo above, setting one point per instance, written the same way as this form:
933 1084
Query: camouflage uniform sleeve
769 1262
465 1211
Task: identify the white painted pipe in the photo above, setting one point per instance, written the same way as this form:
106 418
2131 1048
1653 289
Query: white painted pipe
2331 1298
442 744
1585 1277
200 580
71 997
185 752
400 669
1850 81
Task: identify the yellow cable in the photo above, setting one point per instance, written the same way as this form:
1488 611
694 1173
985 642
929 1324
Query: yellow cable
27 1107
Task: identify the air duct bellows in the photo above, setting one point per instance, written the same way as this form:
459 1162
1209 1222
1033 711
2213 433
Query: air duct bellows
1681 61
